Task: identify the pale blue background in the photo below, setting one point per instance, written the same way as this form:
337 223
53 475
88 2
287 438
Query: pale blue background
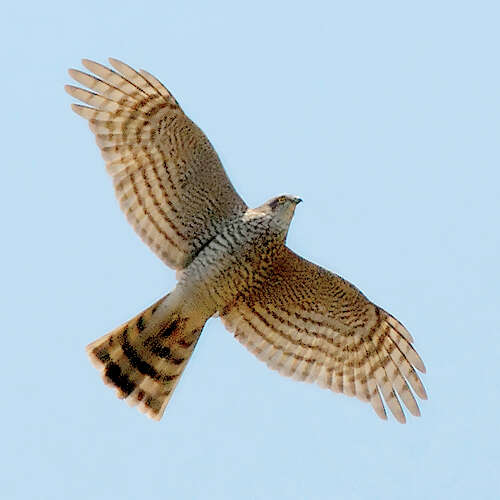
384 118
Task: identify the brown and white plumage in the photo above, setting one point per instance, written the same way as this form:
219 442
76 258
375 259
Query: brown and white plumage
312 325
301 320
167 177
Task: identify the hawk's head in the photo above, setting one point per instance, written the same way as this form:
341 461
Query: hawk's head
276 213
281 210
284 201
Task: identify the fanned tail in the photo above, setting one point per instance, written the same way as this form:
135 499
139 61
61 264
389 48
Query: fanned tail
144 358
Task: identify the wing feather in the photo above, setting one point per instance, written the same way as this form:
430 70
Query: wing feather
167 177
312 325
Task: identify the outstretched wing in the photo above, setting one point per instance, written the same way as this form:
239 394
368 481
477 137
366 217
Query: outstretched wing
312 325
167 177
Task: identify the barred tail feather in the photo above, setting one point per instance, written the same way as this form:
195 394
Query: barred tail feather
144 358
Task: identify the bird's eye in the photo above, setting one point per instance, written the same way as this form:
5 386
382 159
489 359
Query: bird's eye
275 203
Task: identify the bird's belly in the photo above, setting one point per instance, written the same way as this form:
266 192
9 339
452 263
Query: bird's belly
228 266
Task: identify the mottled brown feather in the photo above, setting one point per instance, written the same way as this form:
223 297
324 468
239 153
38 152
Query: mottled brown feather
315 319
167 177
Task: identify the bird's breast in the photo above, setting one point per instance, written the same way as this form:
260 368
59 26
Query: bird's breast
234 262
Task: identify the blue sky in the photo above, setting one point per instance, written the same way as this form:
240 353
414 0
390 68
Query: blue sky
384 118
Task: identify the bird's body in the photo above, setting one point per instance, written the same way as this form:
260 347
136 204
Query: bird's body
239 259
231 260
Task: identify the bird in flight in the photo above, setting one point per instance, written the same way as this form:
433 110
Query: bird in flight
231 261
